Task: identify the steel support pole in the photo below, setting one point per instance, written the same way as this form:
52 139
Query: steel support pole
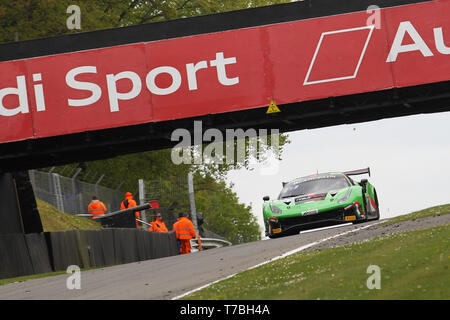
192 201
142 198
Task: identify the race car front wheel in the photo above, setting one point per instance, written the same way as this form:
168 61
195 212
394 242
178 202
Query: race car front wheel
364 209
377 215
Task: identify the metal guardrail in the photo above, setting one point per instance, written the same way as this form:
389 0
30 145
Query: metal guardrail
210 243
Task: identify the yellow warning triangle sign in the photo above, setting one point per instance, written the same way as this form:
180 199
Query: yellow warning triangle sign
273 108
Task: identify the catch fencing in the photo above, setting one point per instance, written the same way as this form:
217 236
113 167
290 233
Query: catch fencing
172 197
71 195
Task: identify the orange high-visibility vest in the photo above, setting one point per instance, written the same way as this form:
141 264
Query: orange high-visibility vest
131 203
184 229
158 226
96 209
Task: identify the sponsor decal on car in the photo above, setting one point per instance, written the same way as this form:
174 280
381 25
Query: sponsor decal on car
310 212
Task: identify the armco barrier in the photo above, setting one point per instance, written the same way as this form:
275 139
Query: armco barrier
54 251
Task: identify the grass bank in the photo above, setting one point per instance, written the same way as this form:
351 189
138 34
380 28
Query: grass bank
30 277
413 265
55 220
429 212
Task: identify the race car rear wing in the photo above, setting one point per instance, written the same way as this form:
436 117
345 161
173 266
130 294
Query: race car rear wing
358 172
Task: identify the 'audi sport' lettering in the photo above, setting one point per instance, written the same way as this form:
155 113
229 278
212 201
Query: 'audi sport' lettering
406 27
114 96
224 71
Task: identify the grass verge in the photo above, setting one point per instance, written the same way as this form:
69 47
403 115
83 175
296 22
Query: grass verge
413 264
41 275
30 277
429 212
55 220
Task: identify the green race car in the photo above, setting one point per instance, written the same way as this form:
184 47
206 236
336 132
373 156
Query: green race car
320 200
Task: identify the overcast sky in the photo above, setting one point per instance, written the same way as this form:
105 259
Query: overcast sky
409 159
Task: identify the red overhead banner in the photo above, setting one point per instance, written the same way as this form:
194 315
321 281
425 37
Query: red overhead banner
224 71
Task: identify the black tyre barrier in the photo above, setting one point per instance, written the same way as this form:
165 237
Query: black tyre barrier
107 242
95 248
172 240
54 251
37 248
84 247
164 245
144 241
64 249
14 257
125 245
158 240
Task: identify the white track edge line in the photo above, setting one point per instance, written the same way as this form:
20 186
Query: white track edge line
284 255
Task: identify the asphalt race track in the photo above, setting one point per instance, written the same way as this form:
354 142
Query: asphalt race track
169 277
173 277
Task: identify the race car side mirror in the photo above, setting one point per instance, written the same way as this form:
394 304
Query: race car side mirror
364 181
266 198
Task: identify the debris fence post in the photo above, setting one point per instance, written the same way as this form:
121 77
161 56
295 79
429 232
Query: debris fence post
142 199
192 201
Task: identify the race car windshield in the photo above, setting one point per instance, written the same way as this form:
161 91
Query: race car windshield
316 186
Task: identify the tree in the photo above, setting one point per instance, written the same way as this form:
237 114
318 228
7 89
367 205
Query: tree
225 216
30 19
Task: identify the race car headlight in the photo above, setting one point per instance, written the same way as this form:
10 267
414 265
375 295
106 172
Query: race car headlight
275 209
346 196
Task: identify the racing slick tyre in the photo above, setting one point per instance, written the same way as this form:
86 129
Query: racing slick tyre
377 217
363 205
